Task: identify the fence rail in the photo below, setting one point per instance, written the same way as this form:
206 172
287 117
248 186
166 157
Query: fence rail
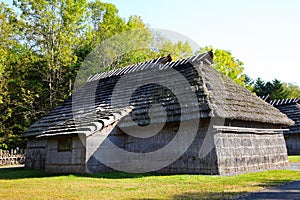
12 157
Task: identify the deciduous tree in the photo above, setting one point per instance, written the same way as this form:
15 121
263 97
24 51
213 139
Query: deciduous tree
52 30
228 65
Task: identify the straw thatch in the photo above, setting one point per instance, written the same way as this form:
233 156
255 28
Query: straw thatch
218 96
290 107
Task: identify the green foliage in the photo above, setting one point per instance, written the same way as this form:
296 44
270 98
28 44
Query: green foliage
103 22
25 96
145 45
225 63
275 89
43 46
8 38
51 29
293 90
249 83
11 63
177 50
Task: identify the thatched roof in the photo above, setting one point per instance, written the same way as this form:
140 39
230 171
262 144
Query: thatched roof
290 107
284 102
99 102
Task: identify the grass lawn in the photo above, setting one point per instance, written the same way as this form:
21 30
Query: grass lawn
294 158
17 183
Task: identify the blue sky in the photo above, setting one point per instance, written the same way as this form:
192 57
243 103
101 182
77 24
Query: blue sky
264 35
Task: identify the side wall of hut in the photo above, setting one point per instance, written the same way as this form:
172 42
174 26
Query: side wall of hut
243 151
189 162
65 159
36 152
292 143
96 149
229 152
292 137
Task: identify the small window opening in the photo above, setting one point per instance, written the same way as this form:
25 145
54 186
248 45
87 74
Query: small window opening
64 144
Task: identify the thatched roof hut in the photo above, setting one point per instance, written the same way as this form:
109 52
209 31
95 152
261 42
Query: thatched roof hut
226 113
290 107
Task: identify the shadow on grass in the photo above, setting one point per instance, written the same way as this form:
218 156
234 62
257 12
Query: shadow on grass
274 183
208 195
21 172
120 175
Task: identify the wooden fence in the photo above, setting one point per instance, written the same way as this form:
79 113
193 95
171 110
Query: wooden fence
12 157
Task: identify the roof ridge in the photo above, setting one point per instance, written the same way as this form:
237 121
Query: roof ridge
279 102
147 64
218 96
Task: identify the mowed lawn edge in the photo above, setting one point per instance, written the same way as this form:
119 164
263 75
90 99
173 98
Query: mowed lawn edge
18 183
295 158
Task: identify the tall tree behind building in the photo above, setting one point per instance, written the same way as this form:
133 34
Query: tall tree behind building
52 30
225 63
275 89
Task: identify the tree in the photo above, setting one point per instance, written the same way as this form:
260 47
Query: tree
8 42
121 43
259 88
106 36
274 89
293 90
43 45
225 63
249 82
23 90
177 50
52 30
8 38
277 90
104 21
24 98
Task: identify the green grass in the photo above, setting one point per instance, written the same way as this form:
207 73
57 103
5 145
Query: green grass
294 158
18 183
